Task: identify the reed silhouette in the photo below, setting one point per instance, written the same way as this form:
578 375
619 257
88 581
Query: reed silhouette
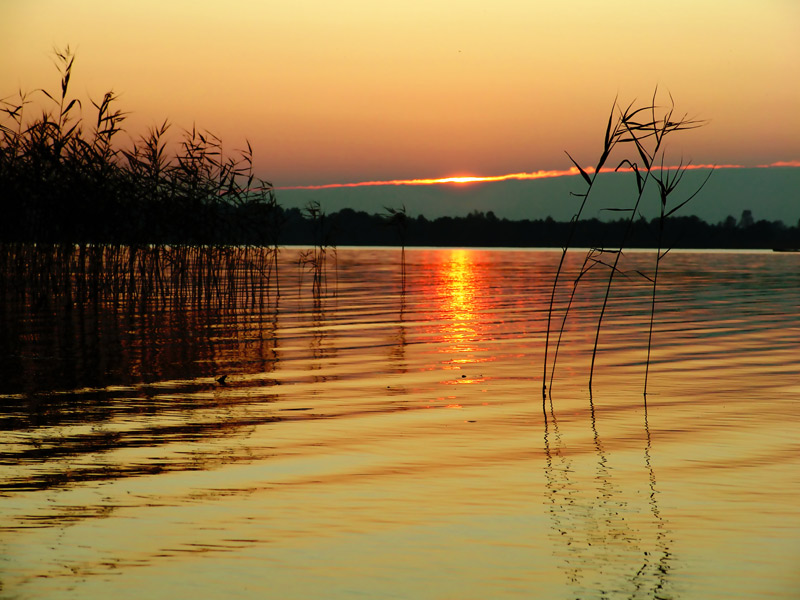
613 135
397 218
89 219
647 137
315 259
667 182
635 137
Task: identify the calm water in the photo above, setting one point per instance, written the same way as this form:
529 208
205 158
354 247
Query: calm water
390 443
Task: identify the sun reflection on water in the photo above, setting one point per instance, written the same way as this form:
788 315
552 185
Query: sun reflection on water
460 298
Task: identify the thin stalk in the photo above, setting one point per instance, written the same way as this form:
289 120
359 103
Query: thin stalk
639 134
652 312
666 186
588 264
612 137
611 274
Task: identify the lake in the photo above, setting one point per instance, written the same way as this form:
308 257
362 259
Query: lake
388 439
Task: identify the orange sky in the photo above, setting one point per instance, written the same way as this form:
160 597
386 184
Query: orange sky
358 90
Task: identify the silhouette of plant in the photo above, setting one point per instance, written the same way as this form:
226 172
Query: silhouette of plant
90 219
648 137
645 129
398 219
667 181
315 258
615 130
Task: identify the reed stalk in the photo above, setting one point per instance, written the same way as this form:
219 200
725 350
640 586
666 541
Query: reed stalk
397 218
613 135
315 259
589 262
667 181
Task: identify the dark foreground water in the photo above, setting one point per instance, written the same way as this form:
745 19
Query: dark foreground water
388 443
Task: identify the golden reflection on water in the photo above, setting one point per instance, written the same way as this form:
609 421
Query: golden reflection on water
460 300
460 307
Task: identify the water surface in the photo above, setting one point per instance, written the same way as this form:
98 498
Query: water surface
390 441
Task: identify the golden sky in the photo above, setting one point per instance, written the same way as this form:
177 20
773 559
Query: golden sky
360 90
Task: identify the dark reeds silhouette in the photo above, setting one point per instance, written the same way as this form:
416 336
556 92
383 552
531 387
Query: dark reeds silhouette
90 220
647 136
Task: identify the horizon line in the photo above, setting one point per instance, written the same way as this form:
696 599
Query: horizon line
541 174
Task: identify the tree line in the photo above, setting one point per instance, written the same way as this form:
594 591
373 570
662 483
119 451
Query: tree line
485 229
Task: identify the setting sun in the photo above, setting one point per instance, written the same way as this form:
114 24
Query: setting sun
462 179
459 179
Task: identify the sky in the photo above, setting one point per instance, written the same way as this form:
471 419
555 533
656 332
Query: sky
358 90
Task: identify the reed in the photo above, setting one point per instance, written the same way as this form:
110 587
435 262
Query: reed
590 261
613 135
667 182
642 130
397 218
315 259
648 139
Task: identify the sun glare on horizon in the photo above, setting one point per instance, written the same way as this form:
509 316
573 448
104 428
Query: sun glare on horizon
453 179
541 174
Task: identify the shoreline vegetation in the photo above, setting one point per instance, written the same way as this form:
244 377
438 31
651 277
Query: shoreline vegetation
87 219
485 230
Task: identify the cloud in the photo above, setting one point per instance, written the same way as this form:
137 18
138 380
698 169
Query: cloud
469 179
781 163
456 179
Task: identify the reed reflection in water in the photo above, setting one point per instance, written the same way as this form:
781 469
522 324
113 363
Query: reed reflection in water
389 444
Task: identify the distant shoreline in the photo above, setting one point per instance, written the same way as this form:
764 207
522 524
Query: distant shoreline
348 227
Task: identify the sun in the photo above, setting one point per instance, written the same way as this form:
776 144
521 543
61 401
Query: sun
461 179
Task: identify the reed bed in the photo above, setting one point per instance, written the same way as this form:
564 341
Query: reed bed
89 219
155 276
